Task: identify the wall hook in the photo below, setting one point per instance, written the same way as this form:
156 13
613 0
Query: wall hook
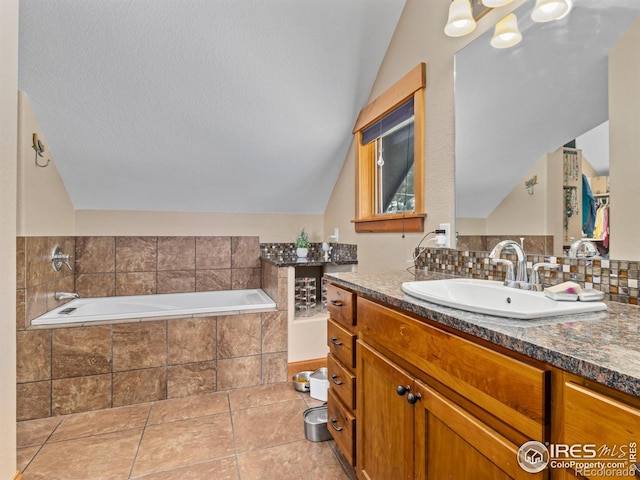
530 183
38 146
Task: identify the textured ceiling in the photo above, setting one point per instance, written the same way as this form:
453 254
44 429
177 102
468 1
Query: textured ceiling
201 105
514 105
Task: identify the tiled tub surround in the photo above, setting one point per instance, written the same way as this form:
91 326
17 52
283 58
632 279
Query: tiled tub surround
109 266
67 370
70 370
533 244
600 346
618 279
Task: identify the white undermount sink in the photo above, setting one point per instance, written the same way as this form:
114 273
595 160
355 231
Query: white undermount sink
493 298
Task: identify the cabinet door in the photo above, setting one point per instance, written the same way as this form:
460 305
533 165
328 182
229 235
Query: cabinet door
450 443
384 419
610 427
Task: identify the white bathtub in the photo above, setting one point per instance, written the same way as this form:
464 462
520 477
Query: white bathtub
87 310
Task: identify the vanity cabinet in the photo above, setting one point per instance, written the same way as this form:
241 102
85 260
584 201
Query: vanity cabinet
433 405
341 363
410 398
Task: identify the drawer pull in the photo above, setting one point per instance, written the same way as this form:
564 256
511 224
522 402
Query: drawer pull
401 389
337 428
335 341
337 303
334 379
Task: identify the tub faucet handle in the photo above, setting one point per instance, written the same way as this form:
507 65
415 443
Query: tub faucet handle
59 258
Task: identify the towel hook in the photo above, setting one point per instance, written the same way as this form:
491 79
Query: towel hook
38 146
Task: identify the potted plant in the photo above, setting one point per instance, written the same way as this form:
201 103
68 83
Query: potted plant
302 244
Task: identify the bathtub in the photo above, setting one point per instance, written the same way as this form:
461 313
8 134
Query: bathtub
87 310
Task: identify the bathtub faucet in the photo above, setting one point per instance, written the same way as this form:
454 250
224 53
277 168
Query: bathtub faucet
65 295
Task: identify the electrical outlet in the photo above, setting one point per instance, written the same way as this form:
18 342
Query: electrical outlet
447 235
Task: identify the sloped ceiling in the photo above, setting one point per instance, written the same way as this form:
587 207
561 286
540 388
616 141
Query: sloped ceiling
514 105
201 105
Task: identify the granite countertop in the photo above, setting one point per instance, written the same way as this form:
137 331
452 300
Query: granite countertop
292 261
601 346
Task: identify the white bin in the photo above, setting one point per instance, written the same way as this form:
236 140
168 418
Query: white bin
319 384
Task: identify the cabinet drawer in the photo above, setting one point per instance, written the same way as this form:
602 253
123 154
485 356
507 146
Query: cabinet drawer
342 344
509 389
342 425
592 418
341 305
342 382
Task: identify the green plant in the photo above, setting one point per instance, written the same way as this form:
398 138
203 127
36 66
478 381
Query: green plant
302 240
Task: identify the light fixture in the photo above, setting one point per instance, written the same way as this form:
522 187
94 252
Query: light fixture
506 33
547 10
460 20
495 3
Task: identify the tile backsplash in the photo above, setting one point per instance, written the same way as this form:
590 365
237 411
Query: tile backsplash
618 279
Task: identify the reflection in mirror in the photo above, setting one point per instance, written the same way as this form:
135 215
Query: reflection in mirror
516 109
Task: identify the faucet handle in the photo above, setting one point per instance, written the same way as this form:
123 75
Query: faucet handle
510 278
535 277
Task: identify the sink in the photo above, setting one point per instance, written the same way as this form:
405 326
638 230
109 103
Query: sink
493 298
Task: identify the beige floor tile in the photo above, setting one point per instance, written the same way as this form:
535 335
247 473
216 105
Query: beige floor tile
101 421
24 456
177 444
222 469
101 457
269 425
301 459
262 395
188 407
35 432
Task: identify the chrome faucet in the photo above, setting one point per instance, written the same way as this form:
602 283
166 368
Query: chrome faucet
519 279
590 250
65 295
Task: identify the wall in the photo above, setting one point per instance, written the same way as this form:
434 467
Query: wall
269 227
8 180
44 207
624 122
419 37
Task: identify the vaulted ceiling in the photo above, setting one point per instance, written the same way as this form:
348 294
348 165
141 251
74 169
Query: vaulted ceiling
201 105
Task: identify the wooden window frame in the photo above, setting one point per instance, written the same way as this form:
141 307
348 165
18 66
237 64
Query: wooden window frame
412 85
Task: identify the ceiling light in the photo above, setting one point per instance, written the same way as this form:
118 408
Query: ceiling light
495 3
460 20
547 10
506 34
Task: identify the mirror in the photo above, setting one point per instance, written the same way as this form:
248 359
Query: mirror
514 106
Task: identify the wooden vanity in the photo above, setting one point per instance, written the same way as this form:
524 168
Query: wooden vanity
413 397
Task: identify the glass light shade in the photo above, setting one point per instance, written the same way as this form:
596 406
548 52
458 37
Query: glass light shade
495 3
506 33
548 10
460 20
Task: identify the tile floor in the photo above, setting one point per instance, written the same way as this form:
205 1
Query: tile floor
244 434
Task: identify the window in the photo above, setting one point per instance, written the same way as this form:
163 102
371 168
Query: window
390 158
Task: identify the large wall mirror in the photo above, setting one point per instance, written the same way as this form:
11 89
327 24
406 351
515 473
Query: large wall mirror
516 108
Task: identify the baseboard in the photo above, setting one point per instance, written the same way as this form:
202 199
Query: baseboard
18 476
306 365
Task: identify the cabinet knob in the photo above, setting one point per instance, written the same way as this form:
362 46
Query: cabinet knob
412 398
336 427
401 389
336 303
334 379
335 341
